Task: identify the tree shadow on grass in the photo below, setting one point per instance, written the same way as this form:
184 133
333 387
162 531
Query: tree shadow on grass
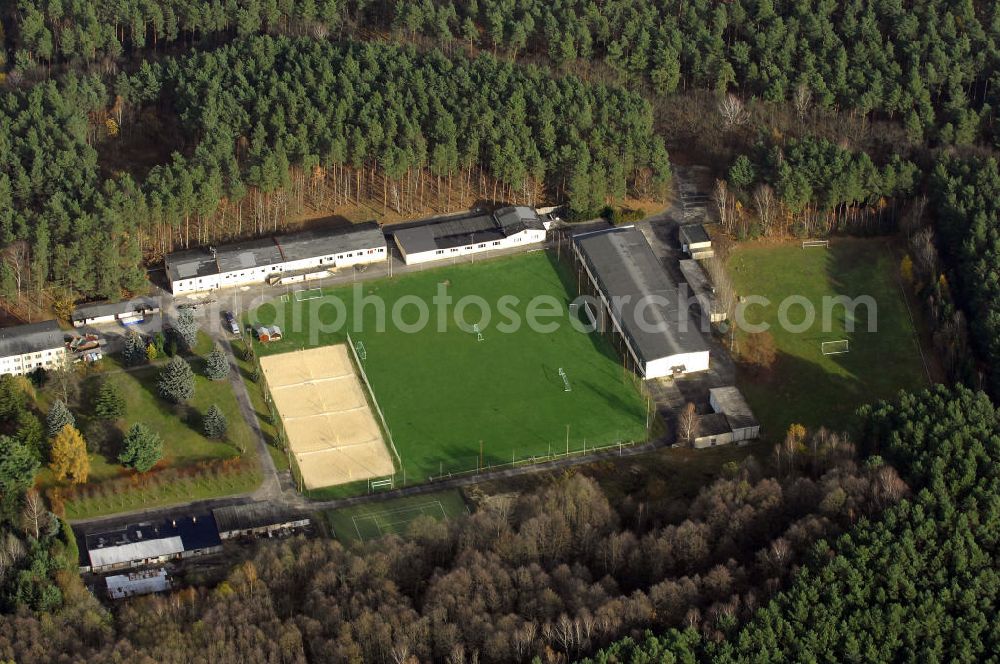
795 390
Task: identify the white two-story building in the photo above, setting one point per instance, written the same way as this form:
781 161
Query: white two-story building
25 348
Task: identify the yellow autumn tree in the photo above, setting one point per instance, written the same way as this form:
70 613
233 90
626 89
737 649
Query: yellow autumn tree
69 456
906 269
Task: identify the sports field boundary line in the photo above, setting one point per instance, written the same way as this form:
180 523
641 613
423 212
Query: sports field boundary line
377 516
371 395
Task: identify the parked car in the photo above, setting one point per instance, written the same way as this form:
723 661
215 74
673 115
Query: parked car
234 326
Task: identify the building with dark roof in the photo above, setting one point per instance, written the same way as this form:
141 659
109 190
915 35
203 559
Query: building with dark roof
711 306
305 254
644 304
125 312
148 543
25 348
256 519
730 402
440 239
695 241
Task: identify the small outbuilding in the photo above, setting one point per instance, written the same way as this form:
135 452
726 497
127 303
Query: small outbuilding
126 312
713 430
696 242
730 402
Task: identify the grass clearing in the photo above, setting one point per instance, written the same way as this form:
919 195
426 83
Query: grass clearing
184 446
373 520
804 385
453 402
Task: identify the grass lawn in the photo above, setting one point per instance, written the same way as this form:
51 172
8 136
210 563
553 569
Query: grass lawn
373 520
146 495
178 427
446 395
804 385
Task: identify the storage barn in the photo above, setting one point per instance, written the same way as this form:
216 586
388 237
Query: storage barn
256 520
146 543
446 238
642 301
257 261
24 348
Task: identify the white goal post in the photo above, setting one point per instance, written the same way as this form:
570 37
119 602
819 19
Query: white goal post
815 243
835 347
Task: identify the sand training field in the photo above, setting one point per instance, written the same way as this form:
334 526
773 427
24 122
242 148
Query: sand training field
330 427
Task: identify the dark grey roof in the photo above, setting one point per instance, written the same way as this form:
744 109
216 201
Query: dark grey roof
447 233
694 234
98 309
513 220
248 255
31 338
253 515
197 531
713 424
191 263
646 301
311 244
734 406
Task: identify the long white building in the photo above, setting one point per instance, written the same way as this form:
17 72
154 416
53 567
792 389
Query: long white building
24 348
255 261
643 303
436 240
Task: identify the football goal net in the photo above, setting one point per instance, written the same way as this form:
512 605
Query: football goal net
478 332
566 386
815 243
835 347
309 294
359 347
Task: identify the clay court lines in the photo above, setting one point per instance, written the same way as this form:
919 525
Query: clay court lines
325 415
375 524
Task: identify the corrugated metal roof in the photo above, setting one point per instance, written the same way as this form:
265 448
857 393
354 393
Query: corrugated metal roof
645 300
139 550
313 244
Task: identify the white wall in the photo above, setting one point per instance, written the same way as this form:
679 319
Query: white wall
712 441
519 240
257 275
692 363
22 364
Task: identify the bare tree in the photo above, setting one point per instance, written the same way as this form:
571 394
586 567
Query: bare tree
802 100
722 286
723 203
688 423
767 207
734 113
925 253
34 517
17 256
888 487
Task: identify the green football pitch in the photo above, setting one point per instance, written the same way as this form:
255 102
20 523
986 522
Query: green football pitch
372 520
805 385
454 402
